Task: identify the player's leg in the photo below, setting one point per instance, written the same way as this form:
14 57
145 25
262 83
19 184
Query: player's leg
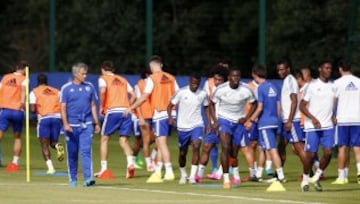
17 122
165 131
269 138
214 155
204 158
85 144
72 146
147 136
125 131
327 143
184 141
282 144
225 141
311 147
109 126
196 137
44 135
355 143
54 138
343 141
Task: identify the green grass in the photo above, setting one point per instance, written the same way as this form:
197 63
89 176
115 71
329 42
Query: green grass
50 189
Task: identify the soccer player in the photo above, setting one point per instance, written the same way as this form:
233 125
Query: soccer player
290 110
79 115
190 124
318 105
12 100
266 115
45 101
115 92
348 120
160 87
144 134
231 98
211 140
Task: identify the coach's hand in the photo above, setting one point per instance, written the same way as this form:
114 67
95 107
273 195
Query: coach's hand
334 120
316 123
97 128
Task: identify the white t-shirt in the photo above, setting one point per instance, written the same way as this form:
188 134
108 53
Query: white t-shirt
149 86
232 101
189 108
289 87
320 97
348 95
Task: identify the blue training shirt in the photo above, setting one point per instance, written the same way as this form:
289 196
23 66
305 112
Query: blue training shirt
269 97
78 99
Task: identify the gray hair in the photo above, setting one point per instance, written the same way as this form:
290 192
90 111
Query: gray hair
76 67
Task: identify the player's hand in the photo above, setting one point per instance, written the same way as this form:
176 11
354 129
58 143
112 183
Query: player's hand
126 112
142 122
102 111
316 123
334 120
22 106
67 128
248 126
97 128
215 127
171 121
288 126
242 120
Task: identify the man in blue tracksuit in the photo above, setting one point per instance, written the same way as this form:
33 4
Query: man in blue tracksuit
79 115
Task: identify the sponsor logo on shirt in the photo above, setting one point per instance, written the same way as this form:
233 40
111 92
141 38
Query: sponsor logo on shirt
272 92
11 82
351 87
48 92
116 82
164 79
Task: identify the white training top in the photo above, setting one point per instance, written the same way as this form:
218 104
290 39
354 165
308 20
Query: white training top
232 101
189 108
320 97
289 87
348 95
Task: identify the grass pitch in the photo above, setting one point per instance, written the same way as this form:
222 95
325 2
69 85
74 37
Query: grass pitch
54 189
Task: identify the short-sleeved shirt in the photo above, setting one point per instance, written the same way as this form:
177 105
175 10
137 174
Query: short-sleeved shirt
189 108
78 99
348 95
289 87
268 96
232 101
320 97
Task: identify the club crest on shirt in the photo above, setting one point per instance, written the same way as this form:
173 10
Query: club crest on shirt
87 88
72 90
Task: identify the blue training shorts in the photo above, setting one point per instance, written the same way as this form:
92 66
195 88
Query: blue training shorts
14 117
267 139
117 121
161 127
347 136
296 134
185 137
323 137
237 132
49 128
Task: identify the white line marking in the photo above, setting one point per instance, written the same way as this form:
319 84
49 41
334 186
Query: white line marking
174 193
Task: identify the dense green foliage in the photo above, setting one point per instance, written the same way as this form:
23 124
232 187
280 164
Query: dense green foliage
191 36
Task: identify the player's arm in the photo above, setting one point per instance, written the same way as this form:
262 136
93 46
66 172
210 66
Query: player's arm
102 91
149 86
32 102
304 109
23 95
256 113
95 117
169 110
293 99
250 113
212 111
333 118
